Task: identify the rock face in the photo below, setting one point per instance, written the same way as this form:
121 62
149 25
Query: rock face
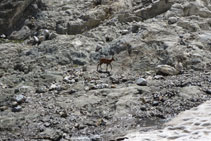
10 12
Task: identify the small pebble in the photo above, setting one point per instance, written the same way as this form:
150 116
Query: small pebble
158 77
84 68
63 114
41 89
72 91
14 104
86 88
143 108
155 103
20 98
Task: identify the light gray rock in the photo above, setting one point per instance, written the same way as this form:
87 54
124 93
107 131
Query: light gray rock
55 87
7 123
51 134
41 89
166 70
141 82
3 36
75 27
172 20
69 79
20 98
24 89
143 89
190 26
22 34
102 86
197 8
3 108
189 91
14 104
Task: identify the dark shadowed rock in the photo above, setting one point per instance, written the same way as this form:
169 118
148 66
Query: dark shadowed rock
208 91
17 108
10 13
135 28
79 61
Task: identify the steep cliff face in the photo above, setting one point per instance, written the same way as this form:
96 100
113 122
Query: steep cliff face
10 12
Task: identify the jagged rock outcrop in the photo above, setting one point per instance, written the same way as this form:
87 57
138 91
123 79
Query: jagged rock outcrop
10 12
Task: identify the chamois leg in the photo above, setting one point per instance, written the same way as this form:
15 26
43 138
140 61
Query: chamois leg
110 66
98 66
101 66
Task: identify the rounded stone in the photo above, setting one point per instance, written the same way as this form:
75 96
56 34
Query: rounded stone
141 82
172 20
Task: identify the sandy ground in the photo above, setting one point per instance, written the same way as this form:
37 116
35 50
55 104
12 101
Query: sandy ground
190 125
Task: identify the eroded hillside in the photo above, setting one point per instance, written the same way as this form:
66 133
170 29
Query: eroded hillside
49 84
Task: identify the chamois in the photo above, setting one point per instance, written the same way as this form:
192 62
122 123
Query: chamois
105 61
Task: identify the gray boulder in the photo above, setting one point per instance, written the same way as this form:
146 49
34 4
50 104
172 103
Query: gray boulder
141 82
166 70
75 27
172 20
22 34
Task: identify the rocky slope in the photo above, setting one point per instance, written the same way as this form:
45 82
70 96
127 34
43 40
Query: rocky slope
193 124
50 88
